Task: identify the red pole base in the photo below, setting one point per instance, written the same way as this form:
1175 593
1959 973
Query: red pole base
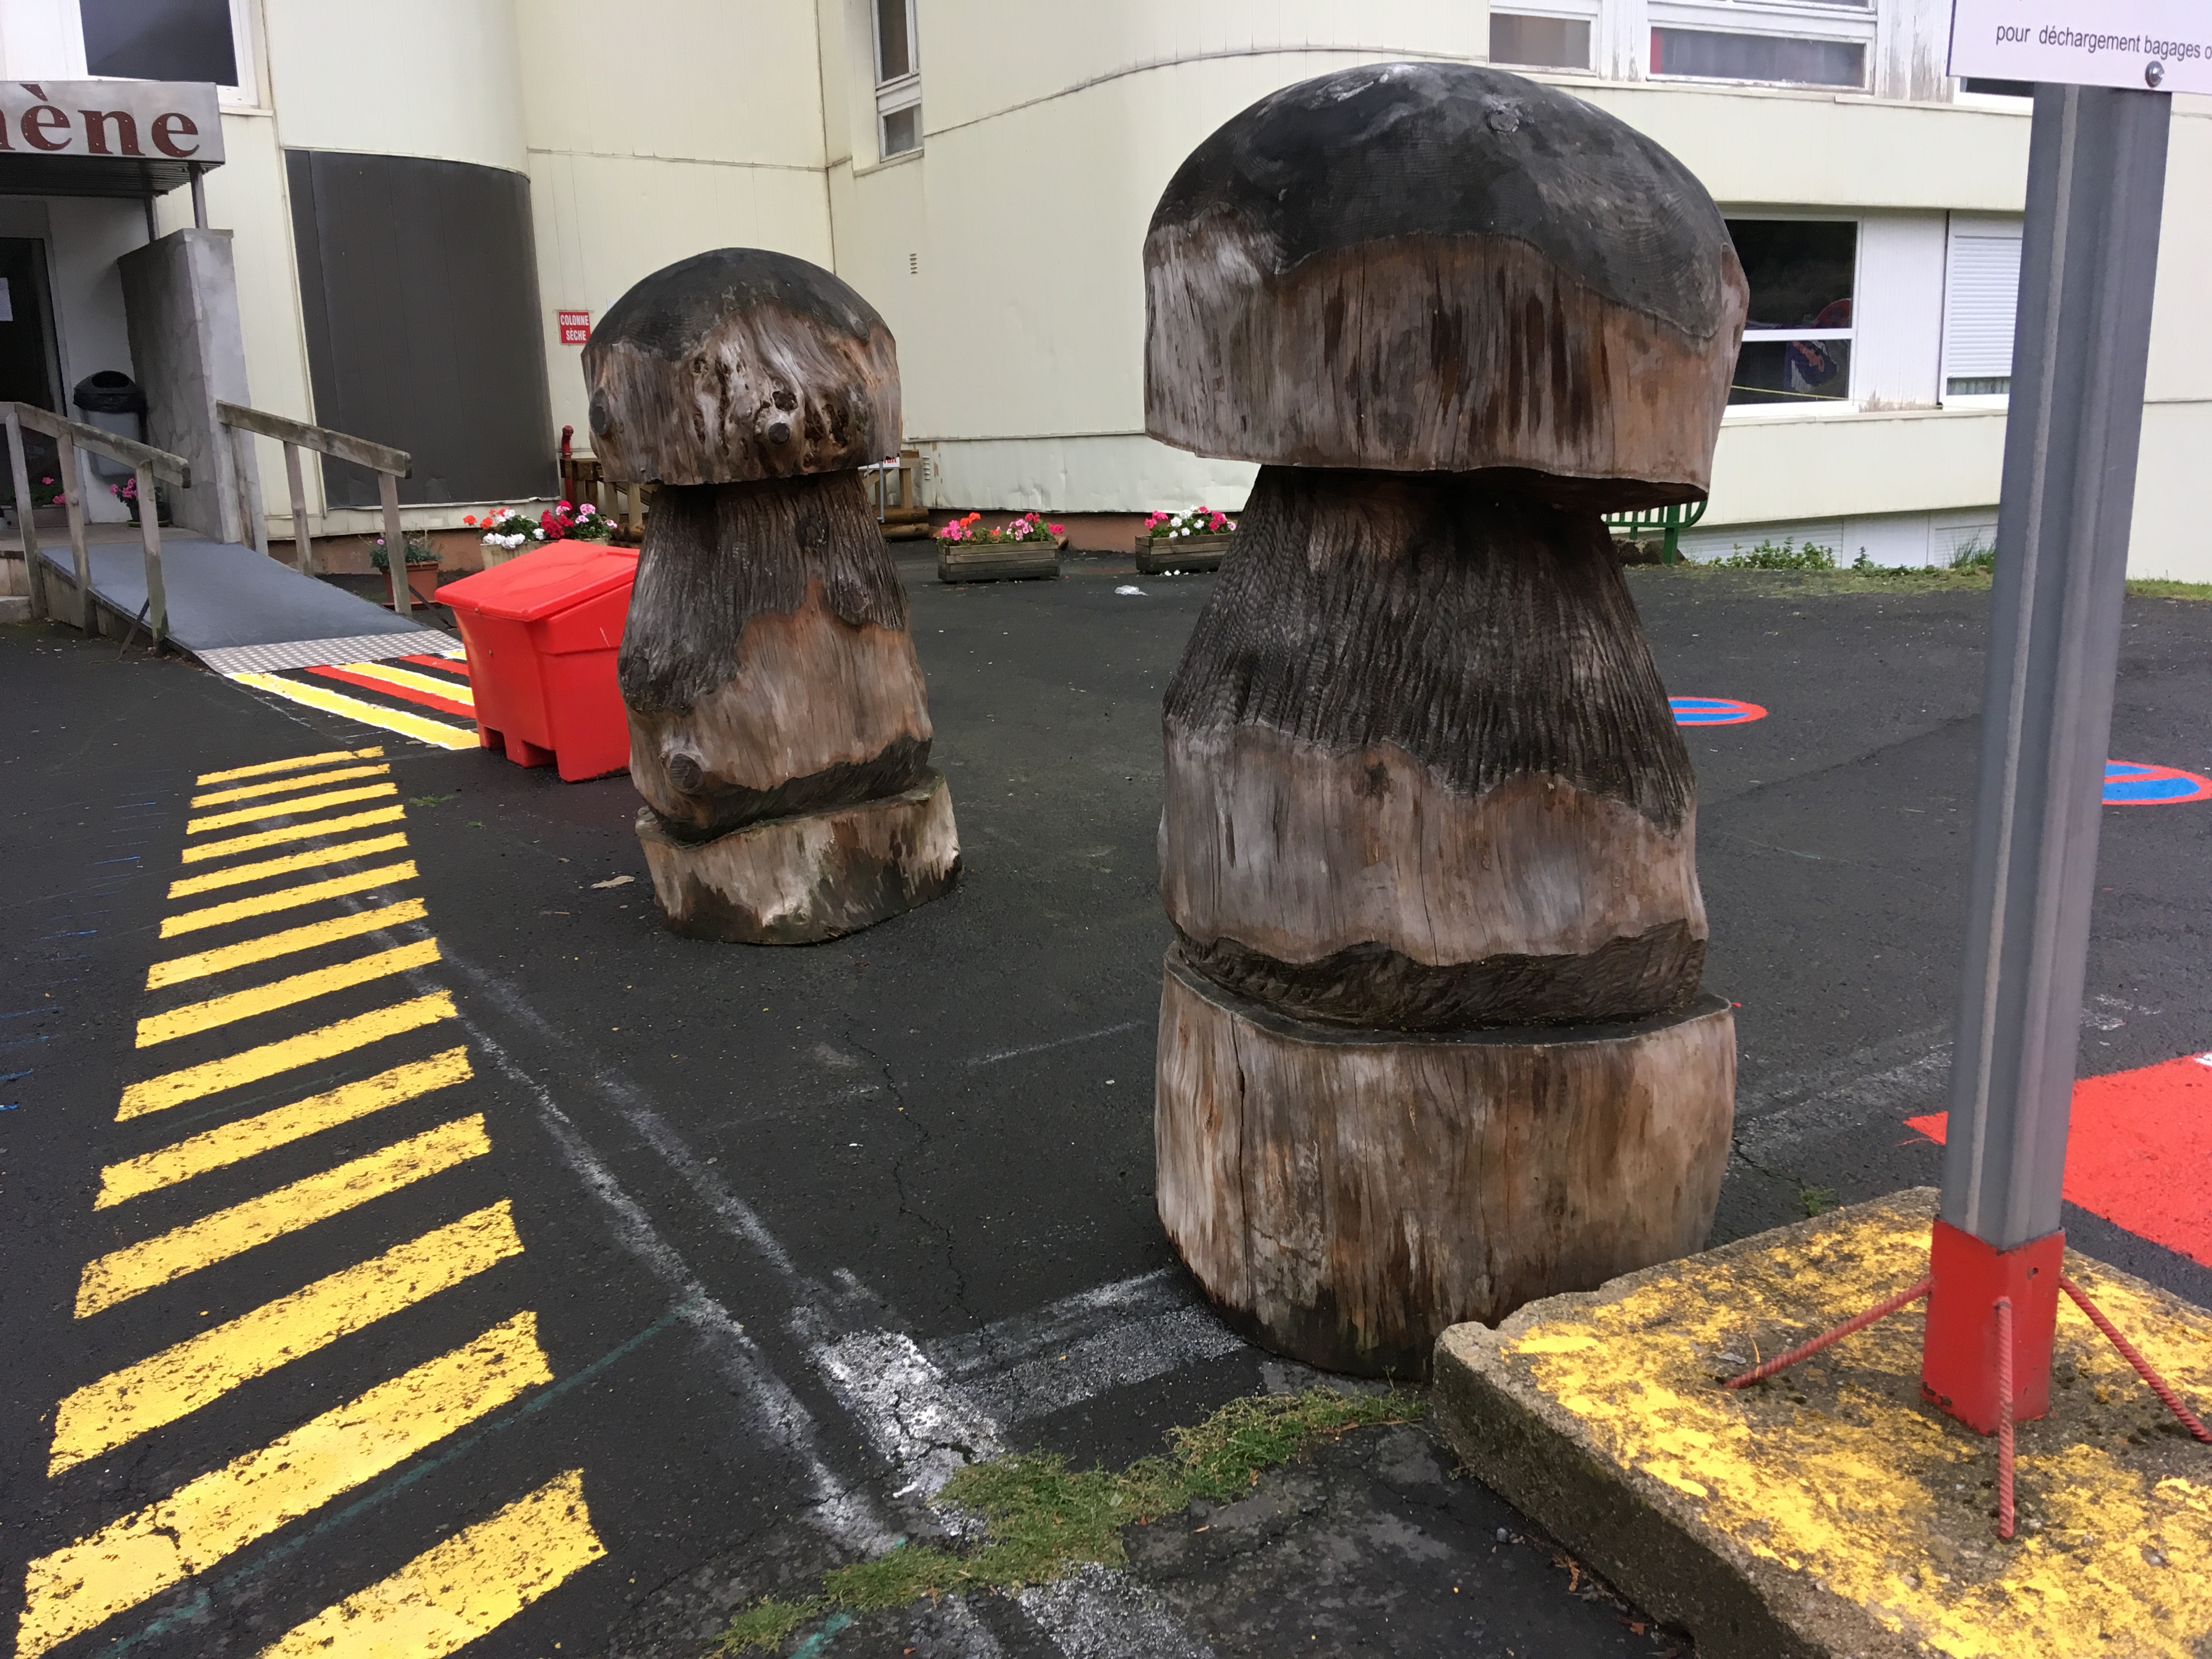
1959 1359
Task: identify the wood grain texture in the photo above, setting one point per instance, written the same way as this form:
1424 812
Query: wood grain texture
815 875
767 663
1344 1197
1420 771
1430 267
740 364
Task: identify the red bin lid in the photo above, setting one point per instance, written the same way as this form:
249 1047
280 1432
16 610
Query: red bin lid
544 582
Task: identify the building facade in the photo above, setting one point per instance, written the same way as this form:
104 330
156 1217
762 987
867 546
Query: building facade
423 195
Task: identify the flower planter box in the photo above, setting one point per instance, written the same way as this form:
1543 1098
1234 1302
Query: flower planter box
1158 555
1000 562
422 582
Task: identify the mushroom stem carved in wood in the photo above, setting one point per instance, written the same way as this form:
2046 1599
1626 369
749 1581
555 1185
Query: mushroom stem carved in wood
1429 836
778 728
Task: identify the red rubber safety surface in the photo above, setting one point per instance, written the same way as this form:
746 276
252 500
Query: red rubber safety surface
2138 1149
406 693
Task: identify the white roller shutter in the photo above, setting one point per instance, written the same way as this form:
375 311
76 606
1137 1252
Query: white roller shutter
1981 290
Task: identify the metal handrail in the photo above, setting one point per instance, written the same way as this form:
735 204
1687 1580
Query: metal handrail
389 465
147 463
1673 519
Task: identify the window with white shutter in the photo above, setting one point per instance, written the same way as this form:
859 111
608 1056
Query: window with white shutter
1981 291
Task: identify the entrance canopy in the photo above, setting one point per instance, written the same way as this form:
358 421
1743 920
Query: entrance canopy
122 138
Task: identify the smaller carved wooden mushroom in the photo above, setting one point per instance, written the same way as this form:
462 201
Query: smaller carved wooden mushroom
779 727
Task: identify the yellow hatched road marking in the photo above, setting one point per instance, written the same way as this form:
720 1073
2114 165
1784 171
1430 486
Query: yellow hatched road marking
265 767
285 786
179 1380
180 968
223 849
284 992
466 1587
437 732
82 1585
234 1141
289 898
121 1275
277 809
238 873
457 690
211 1077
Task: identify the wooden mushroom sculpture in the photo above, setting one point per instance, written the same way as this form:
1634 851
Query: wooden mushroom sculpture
779 729
1431 1041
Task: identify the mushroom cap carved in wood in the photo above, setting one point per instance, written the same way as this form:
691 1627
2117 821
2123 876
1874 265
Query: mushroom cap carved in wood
739 364
1437 267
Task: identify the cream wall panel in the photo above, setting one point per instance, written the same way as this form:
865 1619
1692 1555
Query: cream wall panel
602 223
2179 365
1782 468
1082 474
438 78
735 82
2166 539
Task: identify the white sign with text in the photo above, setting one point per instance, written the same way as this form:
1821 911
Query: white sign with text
143 121
2164 45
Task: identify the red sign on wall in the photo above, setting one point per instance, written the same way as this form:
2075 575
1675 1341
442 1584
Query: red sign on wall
575 326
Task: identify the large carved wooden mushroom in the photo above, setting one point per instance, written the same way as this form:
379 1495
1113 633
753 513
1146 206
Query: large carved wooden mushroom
778 728
1432 1042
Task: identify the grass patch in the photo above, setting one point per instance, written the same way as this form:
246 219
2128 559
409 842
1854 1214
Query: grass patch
2157 587
1815 1200
1041 1518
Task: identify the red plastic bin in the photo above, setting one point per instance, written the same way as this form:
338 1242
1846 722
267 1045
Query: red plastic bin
542 631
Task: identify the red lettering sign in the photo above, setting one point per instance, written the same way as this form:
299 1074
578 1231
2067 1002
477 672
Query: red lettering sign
95 130
576 327
166 125
41 120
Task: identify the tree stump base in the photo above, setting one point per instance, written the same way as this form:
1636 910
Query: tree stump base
1344 1194
811 877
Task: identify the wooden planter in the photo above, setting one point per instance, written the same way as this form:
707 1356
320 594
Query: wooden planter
422 582
1156 556
1000 562
1345 1194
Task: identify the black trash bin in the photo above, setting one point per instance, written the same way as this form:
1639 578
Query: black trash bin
112 401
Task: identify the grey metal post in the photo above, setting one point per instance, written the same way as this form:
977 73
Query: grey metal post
199 195
395 545
26 516
72 483
153 220
150 536
303 542
2096 182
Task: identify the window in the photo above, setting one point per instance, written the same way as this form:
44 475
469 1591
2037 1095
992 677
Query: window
898 79
1981 293
1817 43
1797 340
160 41
1539 42
1989 88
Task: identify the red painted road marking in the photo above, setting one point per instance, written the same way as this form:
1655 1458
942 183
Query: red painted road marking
450 664
2140 1152
386 687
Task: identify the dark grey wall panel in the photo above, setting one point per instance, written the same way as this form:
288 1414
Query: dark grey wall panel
420 284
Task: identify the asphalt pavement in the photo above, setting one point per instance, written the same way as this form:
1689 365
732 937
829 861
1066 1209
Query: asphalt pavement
637 1278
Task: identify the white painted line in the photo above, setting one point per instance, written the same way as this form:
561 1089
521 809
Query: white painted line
1057 1042
1131 1353
920 1425
1096 1613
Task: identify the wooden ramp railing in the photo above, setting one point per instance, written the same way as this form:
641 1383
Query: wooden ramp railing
389 465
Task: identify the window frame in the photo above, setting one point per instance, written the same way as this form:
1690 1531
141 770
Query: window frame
1826 21
900 92
1563 11
1972 227
1819 408
244 49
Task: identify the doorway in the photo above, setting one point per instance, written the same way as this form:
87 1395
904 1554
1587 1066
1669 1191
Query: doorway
29 359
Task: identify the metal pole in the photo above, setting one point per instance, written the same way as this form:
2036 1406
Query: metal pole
303 544
72 484
149 535
2096 182
153 220
395 545
199 196
26 516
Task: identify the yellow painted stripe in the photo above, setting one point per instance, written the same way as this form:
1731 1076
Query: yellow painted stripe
457 690
265 767
462 1588
436 732
285 866
277 809
285 786
140 1398
82 1585
284 992
223 849
287 898
121 1275
180 968
212 1076
232 1142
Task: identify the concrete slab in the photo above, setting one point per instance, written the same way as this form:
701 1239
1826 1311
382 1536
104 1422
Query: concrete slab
1829 1511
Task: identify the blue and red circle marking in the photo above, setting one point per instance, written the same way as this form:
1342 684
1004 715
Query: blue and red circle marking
1713 711
2134 783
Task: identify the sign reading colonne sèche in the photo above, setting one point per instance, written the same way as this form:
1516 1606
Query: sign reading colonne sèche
106 137
2160 45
